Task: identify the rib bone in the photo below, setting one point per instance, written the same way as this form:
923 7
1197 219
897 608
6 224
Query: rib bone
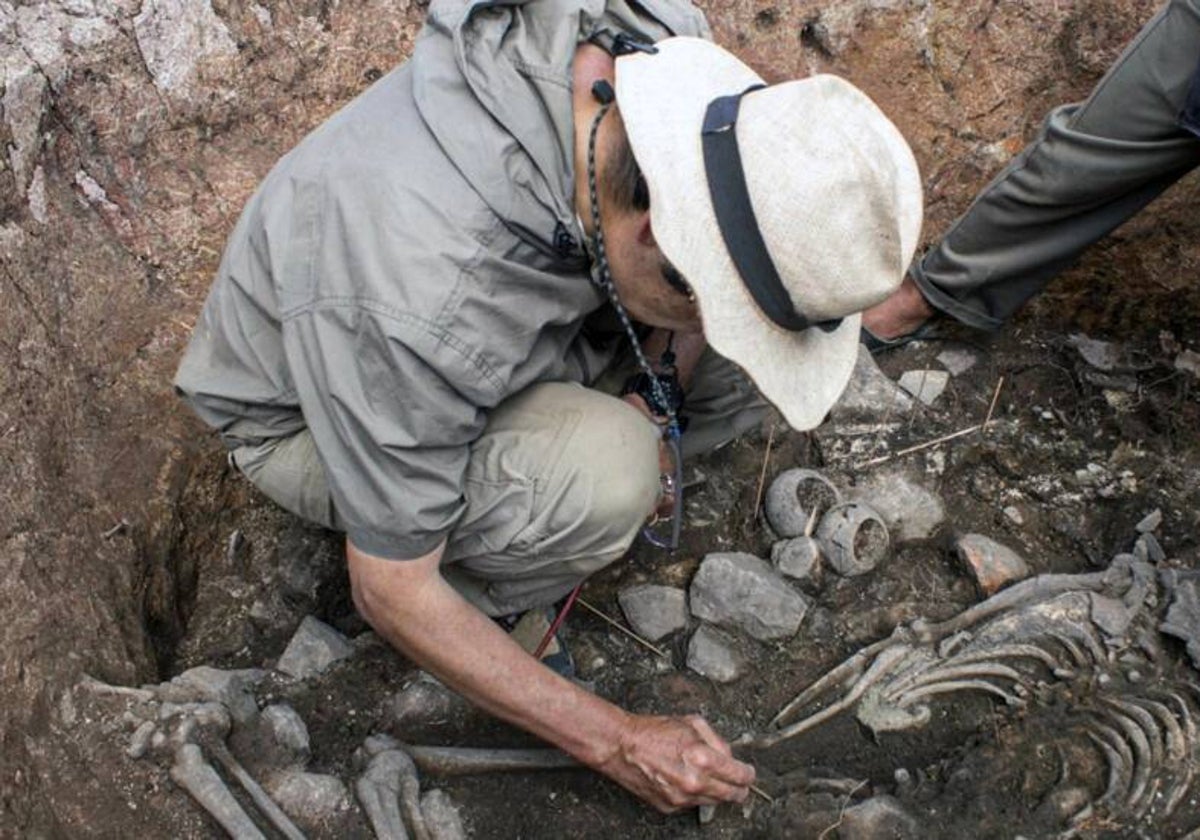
195 775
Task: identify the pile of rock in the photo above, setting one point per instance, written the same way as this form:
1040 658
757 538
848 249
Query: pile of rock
824 534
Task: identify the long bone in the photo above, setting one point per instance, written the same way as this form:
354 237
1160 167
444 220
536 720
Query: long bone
462 761
195 775
189 730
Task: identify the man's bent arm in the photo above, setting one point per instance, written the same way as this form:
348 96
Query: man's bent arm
672 763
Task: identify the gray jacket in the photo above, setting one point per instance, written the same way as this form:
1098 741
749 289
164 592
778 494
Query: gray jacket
415 261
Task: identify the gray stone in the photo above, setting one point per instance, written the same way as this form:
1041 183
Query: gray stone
1102 355
654 611
957 360
175 36
792 499
740 590
878 818
925 385
442 818
911 511
712 654
1188 362
308 798
1148 548
313 648
425 702
869 394
798 558
1150 522
232 689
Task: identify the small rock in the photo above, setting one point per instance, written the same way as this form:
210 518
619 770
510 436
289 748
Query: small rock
442 817
796 499
1150 522
740 590
313 648
1063 803
308 798
711 654
654 611
1183 618
925 385
1148 546
870 394
853 538
1102 355
1188 362
1014 515
233 689
992 565
798 558
910 511
878 818
957 361
425 702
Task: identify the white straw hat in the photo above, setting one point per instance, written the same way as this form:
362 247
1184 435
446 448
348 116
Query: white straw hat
830 182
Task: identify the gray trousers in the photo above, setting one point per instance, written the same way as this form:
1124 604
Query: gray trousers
1092 167
557 487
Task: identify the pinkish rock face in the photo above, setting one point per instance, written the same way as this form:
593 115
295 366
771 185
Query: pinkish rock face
991 565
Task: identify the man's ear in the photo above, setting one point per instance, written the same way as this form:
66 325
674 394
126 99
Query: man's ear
645 236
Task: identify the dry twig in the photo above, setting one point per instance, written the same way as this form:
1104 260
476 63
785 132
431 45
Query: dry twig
762 475
622 628
842 812
992 407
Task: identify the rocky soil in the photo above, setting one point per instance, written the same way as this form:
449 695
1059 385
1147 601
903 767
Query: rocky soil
133 133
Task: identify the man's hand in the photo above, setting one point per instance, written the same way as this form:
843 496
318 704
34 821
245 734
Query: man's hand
676 763
670 762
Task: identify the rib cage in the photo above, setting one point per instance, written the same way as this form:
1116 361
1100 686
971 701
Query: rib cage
1089 647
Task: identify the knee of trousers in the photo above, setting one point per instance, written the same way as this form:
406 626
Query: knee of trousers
609 476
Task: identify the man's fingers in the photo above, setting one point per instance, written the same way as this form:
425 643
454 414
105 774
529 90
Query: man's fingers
722 765
709 734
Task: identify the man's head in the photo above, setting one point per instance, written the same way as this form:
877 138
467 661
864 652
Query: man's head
788 209
649 286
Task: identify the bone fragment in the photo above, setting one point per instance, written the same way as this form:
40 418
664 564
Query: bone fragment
391 774
95 686
1120 769
882 665
1143 764
971 671
1127 762
198 778
1040 588
382 804
1074 650
1011 651
441 817
951 686
465 761
1148 723
261 800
